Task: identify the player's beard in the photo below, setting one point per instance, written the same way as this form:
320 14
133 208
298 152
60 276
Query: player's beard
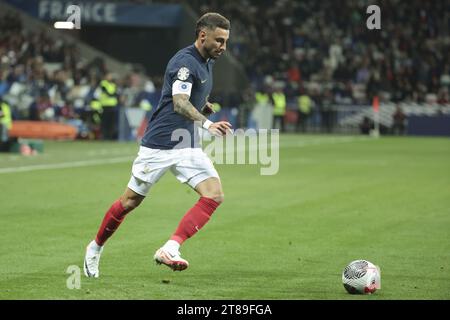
213 53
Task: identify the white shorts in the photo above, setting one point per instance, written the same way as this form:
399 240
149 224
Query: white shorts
189 165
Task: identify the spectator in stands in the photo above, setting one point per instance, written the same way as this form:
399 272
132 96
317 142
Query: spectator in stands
366 125
398 121
41 109
325 107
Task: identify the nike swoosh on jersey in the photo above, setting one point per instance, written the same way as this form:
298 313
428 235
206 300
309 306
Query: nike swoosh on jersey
203 81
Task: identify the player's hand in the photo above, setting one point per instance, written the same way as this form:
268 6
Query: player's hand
220 128
207 109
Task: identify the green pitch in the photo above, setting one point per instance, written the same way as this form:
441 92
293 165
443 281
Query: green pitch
287 236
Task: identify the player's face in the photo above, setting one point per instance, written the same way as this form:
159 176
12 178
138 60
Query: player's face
215 42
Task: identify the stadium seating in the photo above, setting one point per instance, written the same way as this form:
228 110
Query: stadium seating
325 51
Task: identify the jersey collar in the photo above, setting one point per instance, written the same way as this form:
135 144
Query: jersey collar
198 55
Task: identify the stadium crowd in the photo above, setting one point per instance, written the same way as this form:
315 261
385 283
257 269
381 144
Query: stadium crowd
324 47
43 79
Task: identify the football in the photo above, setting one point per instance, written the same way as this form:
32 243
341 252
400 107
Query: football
361 277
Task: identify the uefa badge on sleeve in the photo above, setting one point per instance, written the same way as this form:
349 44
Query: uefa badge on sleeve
183 74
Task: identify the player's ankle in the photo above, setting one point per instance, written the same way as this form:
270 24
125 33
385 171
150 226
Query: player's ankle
172 246
95 247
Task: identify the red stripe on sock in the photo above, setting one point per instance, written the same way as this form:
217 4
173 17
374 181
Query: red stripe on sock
195 219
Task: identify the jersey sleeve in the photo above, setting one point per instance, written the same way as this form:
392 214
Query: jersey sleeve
182 76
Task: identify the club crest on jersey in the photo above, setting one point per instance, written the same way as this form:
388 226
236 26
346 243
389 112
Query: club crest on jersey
183 73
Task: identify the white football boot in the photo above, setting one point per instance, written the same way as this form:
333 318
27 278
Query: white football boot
92 260
170 259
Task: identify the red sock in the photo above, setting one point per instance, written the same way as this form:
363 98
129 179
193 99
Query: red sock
194 219
113 218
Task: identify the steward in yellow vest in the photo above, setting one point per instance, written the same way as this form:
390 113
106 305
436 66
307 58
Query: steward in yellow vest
279 109
261 98
5 125
304 104
108 102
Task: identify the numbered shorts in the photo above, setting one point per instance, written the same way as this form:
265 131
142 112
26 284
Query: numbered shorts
189 165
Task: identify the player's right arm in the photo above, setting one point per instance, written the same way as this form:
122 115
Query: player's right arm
183 106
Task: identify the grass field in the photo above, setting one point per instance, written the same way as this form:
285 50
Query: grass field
287 236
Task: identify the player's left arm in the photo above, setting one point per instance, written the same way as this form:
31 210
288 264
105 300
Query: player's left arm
183 106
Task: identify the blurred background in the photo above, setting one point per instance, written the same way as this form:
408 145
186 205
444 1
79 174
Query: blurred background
299 66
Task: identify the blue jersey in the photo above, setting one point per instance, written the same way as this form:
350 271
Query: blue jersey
188 73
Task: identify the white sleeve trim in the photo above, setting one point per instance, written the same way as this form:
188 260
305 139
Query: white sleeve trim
181 87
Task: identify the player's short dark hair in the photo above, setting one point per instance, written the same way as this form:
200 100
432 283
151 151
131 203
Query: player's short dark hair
212 20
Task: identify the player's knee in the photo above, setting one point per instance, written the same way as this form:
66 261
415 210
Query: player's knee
218 197
131 203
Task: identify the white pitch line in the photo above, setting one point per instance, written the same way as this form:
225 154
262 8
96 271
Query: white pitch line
86 163
64 165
